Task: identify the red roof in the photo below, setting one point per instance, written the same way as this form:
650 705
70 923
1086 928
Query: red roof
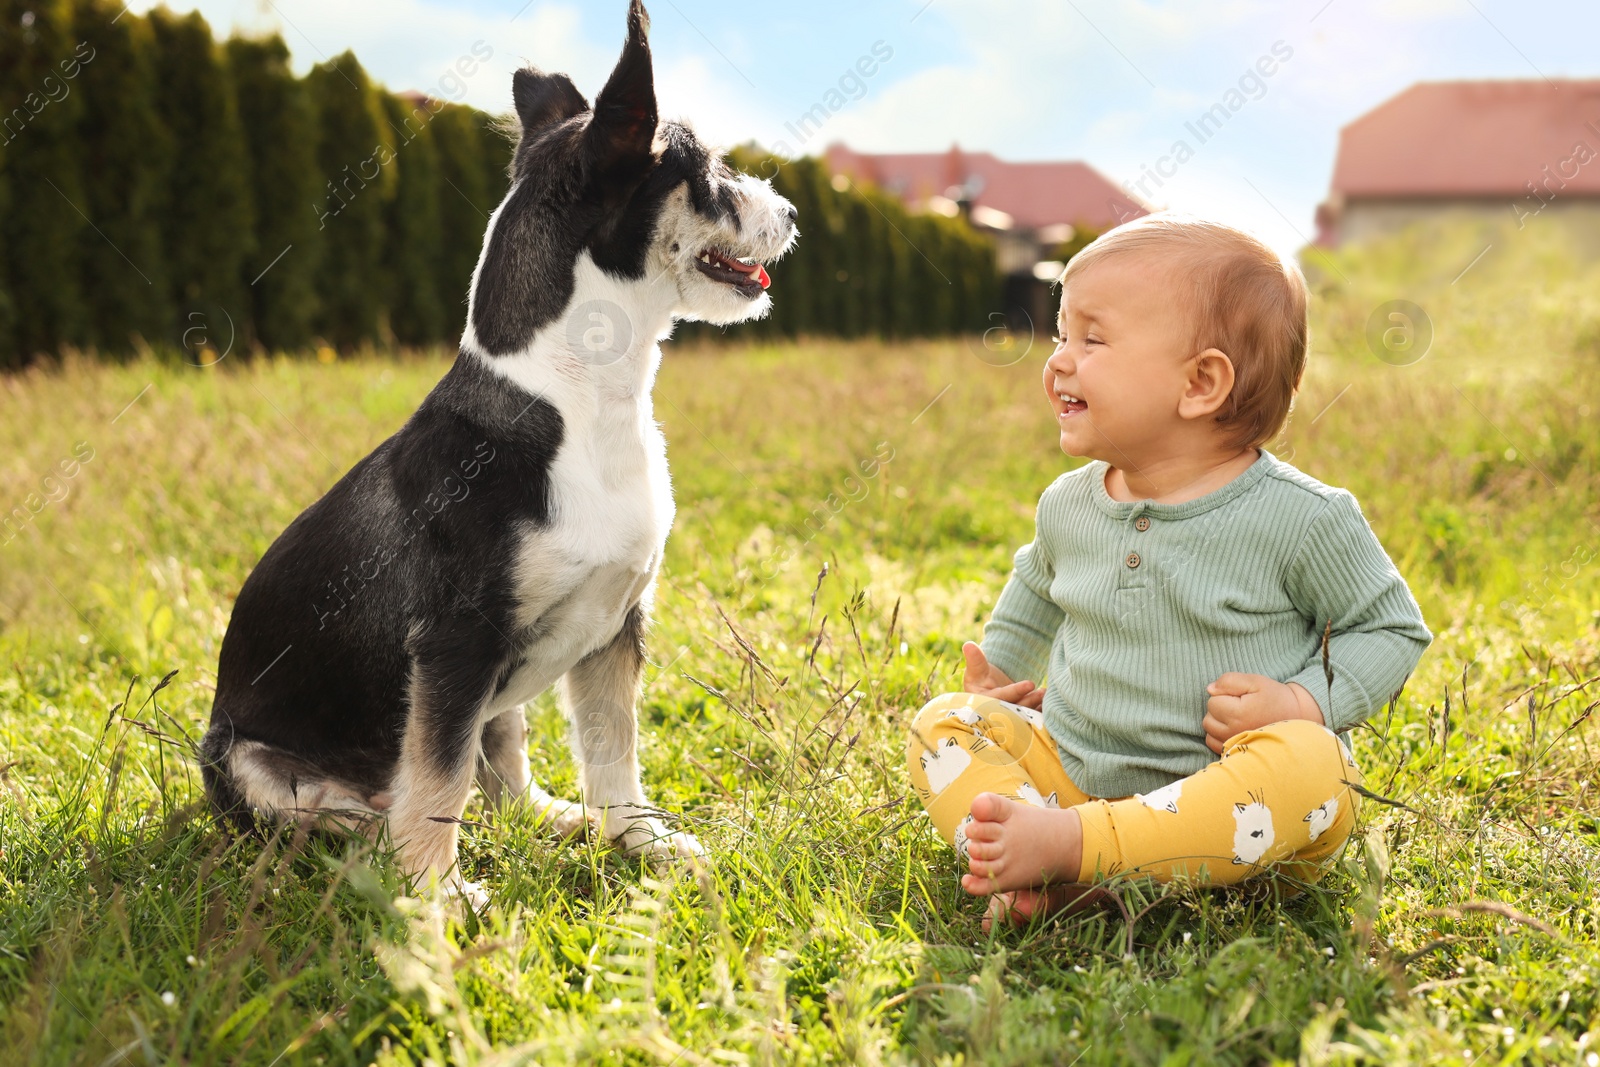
1473 139
1033 194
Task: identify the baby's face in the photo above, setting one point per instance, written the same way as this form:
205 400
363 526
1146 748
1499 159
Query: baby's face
1120 363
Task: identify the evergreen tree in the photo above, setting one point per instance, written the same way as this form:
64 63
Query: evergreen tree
124 150
956 265
925 286
982 289
41 97
866 266
465 202
218 183
280 132
861 258
846 245
932 278
9 356
208 227
355 155
902 296
415 240
494 155
811 273
780 320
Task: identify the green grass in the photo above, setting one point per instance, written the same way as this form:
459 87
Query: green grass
1460 928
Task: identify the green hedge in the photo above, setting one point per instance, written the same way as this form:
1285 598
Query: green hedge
159 188
864 265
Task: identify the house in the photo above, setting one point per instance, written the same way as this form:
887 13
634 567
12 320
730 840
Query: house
1496 150
1031 209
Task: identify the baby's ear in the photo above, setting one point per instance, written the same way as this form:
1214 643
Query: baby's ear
1210 383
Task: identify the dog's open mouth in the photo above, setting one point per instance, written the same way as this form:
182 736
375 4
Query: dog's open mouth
746 277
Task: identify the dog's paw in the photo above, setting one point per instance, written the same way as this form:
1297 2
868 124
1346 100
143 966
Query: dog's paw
564 818
474 895
648 838
453 888
673 847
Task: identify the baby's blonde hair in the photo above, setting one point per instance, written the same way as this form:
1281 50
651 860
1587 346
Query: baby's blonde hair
1243 299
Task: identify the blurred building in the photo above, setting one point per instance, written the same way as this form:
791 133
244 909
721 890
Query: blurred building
1031 209
1496 150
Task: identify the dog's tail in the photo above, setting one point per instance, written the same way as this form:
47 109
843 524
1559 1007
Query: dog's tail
228 804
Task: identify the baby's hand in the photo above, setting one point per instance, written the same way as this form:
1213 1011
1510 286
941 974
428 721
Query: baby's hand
1241 702
985 679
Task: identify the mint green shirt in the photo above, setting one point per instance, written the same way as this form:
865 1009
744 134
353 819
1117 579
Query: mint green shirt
1136 607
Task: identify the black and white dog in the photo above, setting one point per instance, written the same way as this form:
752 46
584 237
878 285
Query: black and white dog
509 535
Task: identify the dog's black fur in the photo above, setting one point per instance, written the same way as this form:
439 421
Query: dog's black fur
318 652
608 203
386 615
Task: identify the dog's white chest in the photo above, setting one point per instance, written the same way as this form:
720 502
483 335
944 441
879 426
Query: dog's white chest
611 496
579 576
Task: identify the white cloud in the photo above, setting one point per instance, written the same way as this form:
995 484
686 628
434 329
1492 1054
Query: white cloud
1110 82
1039 74
926 110
1073 82
691 89
413 44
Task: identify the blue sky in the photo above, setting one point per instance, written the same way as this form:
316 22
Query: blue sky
1111 83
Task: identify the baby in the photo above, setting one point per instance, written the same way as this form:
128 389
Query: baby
1176 595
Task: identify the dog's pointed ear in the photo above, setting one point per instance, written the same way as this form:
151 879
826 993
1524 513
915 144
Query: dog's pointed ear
543 99
625 118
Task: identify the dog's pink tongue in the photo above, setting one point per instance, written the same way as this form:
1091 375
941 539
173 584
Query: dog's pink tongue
755 270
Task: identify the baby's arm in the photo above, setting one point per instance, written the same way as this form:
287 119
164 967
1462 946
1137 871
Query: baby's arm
1342 574
1240 702
987 680
1025 621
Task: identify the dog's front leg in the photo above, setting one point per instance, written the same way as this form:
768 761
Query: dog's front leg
600 693
504 778
438 756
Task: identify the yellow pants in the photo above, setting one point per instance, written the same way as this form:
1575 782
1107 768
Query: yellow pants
1278 799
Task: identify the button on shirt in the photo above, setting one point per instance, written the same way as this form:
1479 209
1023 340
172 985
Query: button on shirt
1241 579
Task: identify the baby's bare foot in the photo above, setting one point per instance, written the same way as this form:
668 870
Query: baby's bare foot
1020 906
1017 907
1014 846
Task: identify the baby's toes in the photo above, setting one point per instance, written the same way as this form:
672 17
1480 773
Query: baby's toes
985 867
982 850
978 830
979 885
988 808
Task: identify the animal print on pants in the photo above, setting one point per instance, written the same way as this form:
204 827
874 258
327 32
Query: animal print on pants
1279 798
